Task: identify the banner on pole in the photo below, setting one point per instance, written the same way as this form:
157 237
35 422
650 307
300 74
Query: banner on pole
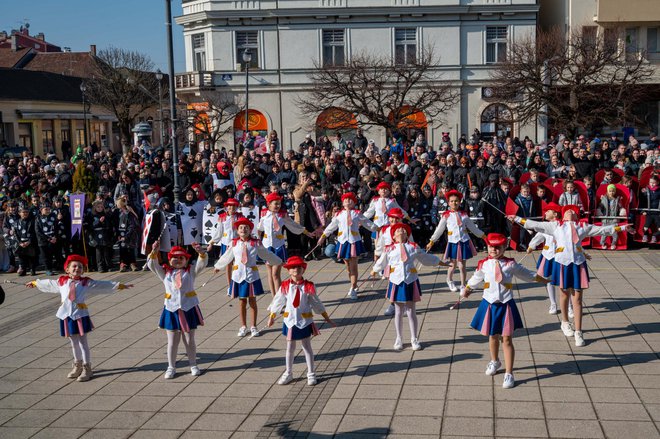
77 207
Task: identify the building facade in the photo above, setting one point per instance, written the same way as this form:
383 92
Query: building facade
287 37
633 24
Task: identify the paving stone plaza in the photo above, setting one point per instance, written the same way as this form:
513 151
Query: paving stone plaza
609 388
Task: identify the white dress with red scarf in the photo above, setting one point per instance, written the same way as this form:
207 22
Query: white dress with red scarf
272 225
378 208
497 312
181 309
570 267
459 244
347 223
245 281
73 312
298 302
226 231
399 262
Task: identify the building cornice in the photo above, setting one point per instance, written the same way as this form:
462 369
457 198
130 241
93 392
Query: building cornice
324 13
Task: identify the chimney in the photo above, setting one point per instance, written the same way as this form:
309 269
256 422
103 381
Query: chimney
40 36
14 43
92 49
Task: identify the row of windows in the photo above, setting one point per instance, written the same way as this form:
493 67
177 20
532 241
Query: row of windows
334 46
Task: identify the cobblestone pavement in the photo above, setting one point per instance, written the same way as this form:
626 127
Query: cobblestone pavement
609 388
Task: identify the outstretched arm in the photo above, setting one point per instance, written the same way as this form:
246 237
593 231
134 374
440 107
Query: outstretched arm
472 227
439 230
267 255
225 259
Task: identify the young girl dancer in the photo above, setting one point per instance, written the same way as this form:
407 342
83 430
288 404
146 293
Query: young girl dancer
226 232
569 271
73 313
546 261
381 204
394 216
245 282
297 298
181 314
404 289
497 315
272 226
459 245
348 222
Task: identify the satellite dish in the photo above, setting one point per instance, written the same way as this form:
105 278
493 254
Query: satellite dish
27 25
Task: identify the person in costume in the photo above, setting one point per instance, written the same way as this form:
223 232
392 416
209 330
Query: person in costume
546 262
245 282
297 300
349 242
459 245
404 290
271 225
226 231
394 216
181 314
73 313
569 272
497 315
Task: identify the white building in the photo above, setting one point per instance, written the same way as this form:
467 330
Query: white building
285 37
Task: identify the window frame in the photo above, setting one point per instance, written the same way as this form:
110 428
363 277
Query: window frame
406 43
496 43
253 47
334 46
198 51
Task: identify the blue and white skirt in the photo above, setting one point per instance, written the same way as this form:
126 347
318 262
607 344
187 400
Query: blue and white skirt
295 333
544 267
280 252
223 249
570 276
81 326
245 289
460 250
347 250
181 320
404 292
497 318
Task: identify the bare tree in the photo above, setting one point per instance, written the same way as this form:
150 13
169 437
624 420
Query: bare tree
123 83
214 116
576 81
383 93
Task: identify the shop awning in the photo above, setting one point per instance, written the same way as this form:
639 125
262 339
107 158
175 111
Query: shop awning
62 115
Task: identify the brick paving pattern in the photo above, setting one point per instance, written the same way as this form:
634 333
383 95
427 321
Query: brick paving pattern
607 389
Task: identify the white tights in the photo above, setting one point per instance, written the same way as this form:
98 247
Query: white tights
80 348
551 294
291 353
173 338
409 308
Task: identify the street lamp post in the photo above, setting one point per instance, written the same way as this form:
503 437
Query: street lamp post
83 89
159 77
247 59
170 72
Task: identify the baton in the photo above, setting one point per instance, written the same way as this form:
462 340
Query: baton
315 247
610 217
494 207
7 281
213 276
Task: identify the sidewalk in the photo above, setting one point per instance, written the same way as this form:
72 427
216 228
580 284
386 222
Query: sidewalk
609 388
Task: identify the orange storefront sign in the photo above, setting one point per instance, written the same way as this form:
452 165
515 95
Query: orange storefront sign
410 119
257 121
335 119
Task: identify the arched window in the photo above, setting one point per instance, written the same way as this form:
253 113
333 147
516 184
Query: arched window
258 125
497 120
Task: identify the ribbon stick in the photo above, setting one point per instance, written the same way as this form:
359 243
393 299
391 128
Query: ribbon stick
505 215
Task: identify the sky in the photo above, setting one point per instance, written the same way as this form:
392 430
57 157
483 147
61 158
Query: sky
137 25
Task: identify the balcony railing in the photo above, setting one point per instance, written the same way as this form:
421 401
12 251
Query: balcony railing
196 80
